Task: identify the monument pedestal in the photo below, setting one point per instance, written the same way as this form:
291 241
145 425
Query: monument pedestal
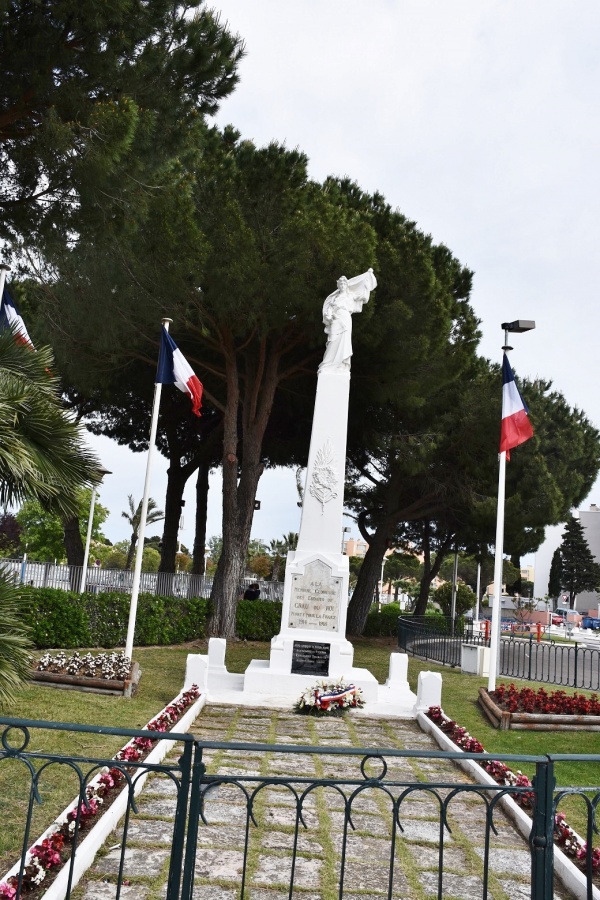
311 645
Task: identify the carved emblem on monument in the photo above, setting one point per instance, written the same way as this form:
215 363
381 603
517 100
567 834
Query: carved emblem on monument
315 599
324 477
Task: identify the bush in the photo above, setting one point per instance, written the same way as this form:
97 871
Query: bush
68 620
57 619
384 623
258 620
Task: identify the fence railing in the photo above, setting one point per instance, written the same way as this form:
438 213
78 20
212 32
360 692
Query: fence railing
332 792
163 584
567 665
439 640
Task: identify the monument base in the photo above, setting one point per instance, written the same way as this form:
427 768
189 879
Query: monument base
260 685
261 678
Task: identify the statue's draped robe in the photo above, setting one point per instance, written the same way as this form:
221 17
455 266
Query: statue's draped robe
337 318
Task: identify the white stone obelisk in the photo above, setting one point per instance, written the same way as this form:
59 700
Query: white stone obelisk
312 642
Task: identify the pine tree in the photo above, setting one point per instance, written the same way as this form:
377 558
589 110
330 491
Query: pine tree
580 572
554 582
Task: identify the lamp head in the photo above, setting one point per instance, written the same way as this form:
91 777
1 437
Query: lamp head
518 326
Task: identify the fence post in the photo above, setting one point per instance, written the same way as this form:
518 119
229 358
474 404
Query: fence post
198 772
542 830
575 673
530 654
179 828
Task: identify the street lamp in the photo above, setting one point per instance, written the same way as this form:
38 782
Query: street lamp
101 473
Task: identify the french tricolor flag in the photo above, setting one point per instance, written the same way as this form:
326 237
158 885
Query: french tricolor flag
10 318
516 427
173 368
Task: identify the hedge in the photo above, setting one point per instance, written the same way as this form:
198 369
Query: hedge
67 620
384 623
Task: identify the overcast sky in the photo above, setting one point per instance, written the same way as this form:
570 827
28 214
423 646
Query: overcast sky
479 121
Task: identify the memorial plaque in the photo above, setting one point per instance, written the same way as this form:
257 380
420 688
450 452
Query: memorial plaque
310 658
315 599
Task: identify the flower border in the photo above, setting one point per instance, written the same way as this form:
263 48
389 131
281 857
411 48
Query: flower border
53 851
564 836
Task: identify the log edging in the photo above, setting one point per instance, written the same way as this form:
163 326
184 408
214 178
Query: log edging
520 721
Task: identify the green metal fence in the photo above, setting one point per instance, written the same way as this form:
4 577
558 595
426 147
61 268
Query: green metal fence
367 775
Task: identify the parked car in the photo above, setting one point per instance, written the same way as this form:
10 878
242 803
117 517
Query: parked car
559 616
590 622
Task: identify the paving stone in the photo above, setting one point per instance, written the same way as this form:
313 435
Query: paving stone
147 863
513 861
464 887
362 822
237 772
148 831
428 858
164 786
281 815
262 894
157 808
281 840
422 830
284 797
227 813
223 864
106 890
359 846
277 870
214 892
221 836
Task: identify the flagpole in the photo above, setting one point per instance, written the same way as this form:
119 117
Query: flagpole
519 326
495 635
135 587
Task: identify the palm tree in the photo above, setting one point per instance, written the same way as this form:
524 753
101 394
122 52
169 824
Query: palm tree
133 517
42 456
280 550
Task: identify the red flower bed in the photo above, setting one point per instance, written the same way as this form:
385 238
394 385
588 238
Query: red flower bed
558 703
54 851
564 836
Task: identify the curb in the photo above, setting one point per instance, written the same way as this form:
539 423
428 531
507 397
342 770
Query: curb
88 848
571 877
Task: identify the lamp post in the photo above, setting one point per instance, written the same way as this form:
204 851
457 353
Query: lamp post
101 473
517 327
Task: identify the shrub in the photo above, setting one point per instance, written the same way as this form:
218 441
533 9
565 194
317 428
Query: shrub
258 620
57 619
384 623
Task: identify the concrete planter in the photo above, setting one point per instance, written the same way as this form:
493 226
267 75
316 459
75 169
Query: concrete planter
95 837
124 688
518 721
566 870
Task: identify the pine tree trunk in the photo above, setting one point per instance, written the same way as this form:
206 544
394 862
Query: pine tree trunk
239 497
366 584
426 579
75 551
176 480
199 552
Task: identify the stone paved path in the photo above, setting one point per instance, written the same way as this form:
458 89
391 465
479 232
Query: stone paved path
220 855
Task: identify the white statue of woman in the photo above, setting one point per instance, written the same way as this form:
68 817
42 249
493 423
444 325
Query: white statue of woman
349 298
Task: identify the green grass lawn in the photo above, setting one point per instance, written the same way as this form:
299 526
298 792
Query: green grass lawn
163 671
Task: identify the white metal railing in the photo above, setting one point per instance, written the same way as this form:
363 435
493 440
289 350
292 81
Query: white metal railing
163 584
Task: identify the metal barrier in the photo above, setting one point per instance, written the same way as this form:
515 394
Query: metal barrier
321 810
163 584
567 665
436 639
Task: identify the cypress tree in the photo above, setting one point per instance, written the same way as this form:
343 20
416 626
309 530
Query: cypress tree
554 581
580 572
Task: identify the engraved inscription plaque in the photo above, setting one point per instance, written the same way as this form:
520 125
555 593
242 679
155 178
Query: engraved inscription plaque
315 599
310 658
